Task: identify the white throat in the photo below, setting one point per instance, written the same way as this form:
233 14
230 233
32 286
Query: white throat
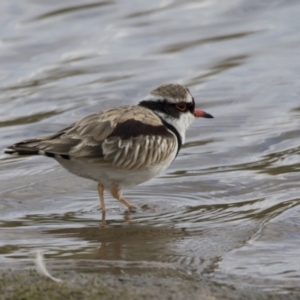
181 124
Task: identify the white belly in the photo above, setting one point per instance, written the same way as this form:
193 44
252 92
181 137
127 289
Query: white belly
109 176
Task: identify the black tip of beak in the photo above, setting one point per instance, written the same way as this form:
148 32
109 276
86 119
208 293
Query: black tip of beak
208 116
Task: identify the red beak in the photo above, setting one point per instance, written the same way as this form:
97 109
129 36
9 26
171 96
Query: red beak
201 114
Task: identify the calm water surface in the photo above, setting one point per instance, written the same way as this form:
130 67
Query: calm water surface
228 207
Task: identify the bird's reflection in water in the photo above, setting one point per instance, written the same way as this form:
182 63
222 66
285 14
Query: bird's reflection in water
122 241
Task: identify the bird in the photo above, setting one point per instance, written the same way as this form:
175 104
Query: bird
123 146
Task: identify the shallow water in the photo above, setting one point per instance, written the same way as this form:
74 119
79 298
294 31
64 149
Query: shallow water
228 206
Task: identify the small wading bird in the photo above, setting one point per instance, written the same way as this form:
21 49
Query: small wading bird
122 146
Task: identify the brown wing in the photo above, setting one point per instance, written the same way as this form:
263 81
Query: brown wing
139 152
128 137
131 141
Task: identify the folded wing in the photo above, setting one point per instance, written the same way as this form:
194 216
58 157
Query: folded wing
124 137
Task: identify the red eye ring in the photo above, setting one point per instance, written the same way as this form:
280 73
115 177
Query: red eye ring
181 106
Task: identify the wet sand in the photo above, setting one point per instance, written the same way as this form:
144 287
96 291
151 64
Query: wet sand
155 284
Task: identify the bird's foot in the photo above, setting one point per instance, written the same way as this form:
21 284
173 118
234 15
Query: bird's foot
132 208
146 207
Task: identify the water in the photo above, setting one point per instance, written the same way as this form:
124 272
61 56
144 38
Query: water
228 206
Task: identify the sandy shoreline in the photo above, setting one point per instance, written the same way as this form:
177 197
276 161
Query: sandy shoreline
154 284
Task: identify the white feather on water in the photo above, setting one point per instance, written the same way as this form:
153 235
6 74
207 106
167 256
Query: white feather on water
41 267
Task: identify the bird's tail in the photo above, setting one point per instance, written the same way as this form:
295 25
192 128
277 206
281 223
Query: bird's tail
27 147
48 145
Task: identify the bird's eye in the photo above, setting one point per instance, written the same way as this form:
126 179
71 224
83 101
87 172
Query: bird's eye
181 106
